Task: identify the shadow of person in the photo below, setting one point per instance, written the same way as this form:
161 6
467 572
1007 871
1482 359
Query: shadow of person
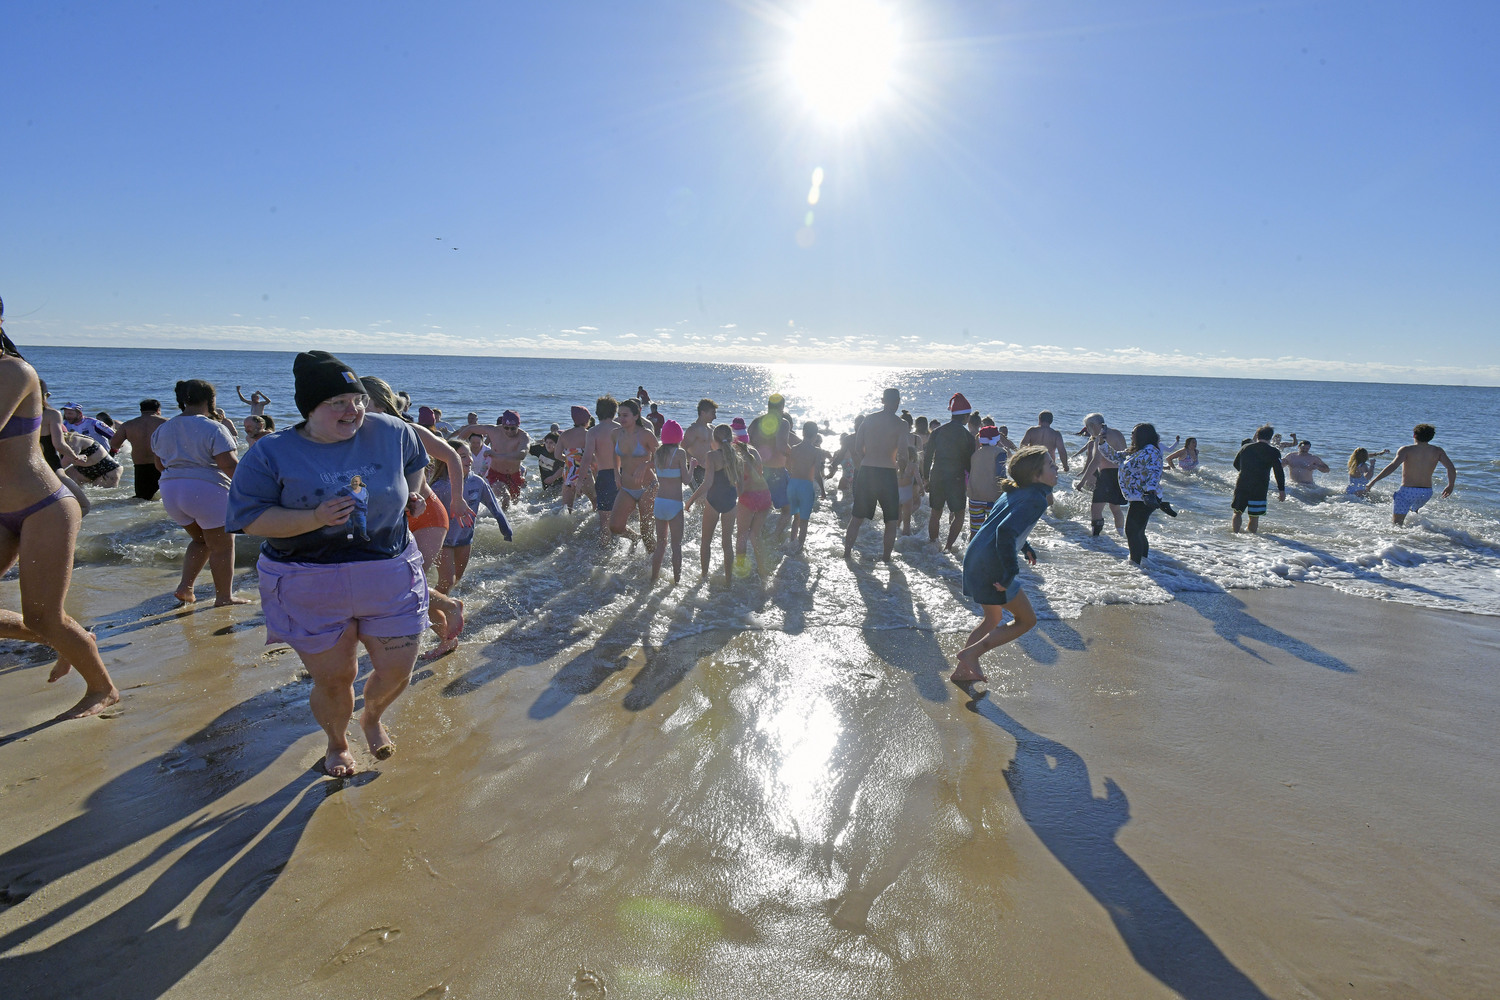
890 620
587 670
1359 572
135 950
1051 787
667 665
791 590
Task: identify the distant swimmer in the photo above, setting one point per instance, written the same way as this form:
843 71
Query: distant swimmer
137 432
1004 439
1044 437
1303 463
873 453
1417 462
992 563
1361 468
257 402
656 419
39 516
945 467
986 469
1106 473
1256 463
642 395
1187 455
197 460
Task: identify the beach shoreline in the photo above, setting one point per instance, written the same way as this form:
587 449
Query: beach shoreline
1302 777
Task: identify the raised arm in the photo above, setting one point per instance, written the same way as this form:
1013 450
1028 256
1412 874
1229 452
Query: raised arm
239 393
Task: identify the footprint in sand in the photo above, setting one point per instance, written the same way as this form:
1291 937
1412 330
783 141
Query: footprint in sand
356 946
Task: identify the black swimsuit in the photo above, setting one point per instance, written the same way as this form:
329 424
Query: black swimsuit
722 495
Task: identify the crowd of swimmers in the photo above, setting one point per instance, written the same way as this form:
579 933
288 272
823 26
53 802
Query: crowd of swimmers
357 503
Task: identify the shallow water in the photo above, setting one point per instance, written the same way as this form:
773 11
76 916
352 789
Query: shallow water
1447 556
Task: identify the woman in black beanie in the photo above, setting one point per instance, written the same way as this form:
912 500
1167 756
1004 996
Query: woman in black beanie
327 581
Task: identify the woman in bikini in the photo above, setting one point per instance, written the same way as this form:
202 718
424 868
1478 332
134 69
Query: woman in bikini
430 527
634 444
671 468
39 520
719 491
755 500
1187 455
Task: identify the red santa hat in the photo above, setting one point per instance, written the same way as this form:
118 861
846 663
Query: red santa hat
959 405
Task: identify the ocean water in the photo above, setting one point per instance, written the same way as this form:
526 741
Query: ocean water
552 587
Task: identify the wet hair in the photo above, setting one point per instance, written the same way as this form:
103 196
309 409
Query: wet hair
551 436
1360 457
653 408
633 406
974 419
732 451
1424 432
1045 417
706 404
810 432
987 422
606 407
1306 442
1245 442
260 422
269 421
193 391
104 418
382 398
1265 432
1024 468
921 427
1190 441
1142 435
906 417
150 406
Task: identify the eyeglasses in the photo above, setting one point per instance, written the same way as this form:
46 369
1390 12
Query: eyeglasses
357 402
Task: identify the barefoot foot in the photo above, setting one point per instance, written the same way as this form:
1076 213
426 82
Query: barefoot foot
92 703
185 595
455 625
59 670
381 744
224 602
968 669
339 763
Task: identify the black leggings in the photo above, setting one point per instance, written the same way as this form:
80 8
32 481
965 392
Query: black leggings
1135 530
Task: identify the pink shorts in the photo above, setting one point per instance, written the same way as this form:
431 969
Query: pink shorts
309 605
195 501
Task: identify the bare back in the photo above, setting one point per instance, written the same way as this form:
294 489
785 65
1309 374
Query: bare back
879 437
984 483
1419 462
1044 436
138 432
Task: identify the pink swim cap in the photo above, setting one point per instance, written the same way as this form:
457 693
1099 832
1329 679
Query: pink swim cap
580 416
671 432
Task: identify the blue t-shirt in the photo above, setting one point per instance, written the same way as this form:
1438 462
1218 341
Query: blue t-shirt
285 469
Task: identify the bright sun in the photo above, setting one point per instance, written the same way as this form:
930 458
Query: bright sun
843 56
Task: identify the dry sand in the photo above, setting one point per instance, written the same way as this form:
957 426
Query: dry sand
1284 793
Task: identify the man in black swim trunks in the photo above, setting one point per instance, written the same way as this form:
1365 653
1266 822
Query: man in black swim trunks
945 467
1256 462
874 454
137 433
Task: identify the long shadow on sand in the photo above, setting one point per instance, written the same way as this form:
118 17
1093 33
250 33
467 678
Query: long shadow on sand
138 950
1362 572
927 664
587 670
1051 787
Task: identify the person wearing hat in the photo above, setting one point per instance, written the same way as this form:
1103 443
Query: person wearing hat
509 446
945 467
77 423
324 590
771 435
570 449
986 469
1106 472
671 464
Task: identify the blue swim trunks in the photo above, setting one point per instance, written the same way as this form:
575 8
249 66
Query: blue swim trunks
776 482
800 495
1410 498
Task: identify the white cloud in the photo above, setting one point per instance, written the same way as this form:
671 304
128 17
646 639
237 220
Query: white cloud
590 329
627 336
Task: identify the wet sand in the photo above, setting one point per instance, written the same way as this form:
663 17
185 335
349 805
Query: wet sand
1284 793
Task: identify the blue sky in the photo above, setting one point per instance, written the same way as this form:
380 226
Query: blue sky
1277 189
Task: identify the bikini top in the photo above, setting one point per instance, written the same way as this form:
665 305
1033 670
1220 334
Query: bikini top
637 452
669 473
16 426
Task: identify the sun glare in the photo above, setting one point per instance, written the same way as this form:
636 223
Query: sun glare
843 56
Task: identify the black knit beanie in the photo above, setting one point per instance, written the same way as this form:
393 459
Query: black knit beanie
319 376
